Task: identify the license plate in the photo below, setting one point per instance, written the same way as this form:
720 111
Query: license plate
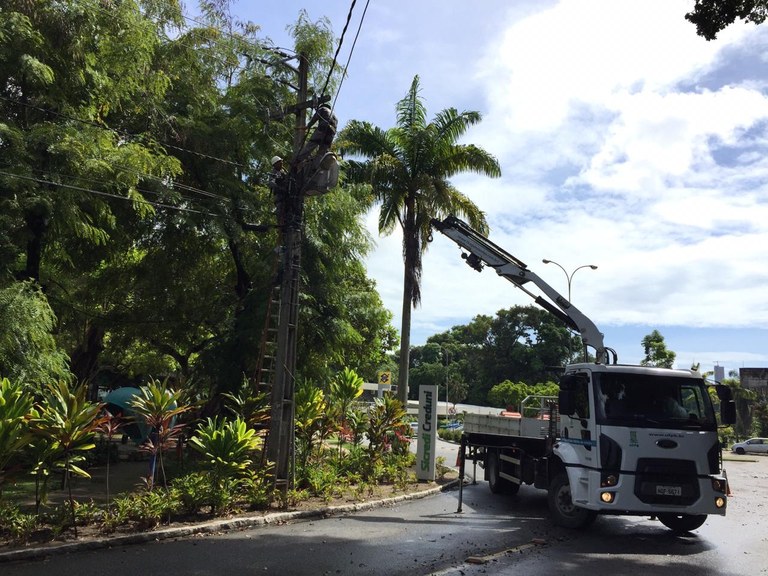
669 490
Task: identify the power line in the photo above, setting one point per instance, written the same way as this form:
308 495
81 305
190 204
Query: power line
122 133
322 97
222 199
351 51
338 48
128 134
107 194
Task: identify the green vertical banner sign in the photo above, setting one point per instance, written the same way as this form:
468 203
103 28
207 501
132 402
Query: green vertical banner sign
426 434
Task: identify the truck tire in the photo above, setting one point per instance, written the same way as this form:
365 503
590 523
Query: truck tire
497 484
682 522
564 512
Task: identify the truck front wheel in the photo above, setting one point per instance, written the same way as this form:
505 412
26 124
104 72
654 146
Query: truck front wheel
564 512
682 522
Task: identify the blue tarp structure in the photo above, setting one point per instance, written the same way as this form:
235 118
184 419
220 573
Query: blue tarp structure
119 404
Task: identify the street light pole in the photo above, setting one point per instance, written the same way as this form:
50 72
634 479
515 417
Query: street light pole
447 362
569 277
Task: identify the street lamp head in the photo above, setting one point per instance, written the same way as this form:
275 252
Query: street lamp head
593 267
546 261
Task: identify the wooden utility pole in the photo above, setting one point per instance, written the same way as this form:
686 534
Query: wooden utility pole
290 208
313 170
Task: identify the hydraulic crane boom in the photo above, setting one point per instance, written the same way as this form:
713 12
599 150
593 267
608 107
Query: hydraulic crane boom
481 251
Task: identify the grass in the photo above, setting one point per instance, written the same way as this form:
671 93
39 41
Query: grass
21 490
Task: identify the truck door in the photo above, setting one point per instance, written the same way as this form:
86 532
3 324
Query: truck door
577 418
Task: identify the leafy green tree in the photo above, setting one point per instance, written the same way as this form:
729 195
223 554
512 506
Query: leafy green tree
456 388
712 16
29 353
511 395
408 169
508 394
343 320
132 160
523 342
744 400
427 374
440 364
656 353
760 418
78 157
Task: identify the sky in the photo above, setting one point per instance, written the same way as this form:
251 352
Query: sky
625 141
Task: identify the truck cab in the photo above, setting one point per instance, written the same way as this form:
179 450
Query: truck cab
640 440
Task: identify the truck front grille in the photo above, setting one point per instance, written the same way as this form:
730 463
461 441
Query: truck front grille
666 481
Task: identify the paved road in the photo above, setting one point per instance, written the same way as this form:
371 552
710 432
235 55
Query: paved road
511 535
734 545
418 537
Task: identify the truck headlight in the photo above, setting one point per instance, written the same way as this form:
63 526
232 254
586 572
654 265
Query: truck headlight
607 497
610 480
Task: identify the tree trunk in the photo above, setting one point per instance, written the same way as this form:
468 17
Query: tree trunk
37 219
411 262
243 284
84 358
405 342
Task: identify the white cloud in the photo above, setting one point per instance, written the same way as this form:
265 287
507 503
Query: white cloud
625 140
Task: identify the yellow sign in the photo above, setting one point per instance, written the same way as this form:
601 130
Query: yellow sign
385 377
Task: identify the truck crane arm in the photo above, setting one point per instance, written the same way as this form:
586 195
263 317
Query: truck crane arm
480 251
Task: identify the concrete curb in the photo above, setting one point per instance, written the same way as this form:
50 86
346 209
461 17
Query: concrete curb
213 526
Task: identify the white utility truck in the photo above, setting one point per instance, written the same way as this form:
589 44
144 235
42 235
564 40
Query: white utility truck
618 439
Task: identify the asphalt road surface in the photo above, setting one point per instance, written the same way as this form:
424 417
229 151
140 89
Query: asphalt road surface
500 535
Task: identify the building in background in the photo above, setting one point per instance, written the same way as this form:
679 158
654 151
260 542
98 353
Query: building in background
755 379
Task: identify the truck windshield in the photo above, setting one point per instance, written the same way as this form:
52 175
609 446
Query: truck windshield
642 401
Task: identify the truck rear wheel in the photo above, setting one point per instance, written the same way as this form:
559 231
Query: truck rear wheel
682 522
564 512
497 484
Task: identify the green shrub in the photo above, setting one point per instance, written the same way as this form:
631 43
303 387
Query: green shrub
146 508
256 492
193 491
16 524
450 435
15 407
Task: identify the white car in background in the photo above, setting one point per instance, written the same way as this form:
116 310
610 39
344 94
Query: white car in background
759 445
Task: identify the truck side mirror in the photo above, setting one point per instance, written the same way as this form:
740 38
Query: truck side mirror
728 412
724 393
566 402
566 398
727 404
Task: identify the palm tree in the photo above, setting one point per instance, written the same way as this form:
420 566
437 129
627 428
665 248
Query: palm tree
407 168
